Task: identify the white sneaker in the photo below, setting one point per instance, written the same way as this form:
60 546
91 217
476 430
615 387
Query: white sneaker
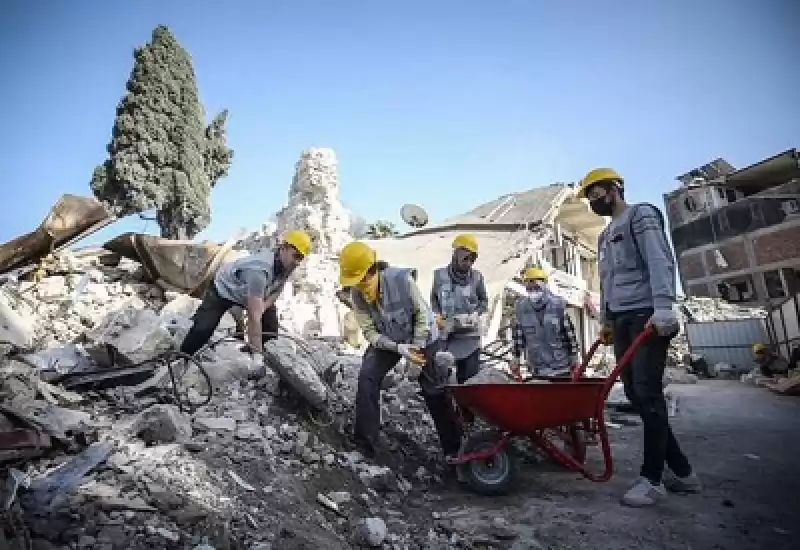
643 493
675 484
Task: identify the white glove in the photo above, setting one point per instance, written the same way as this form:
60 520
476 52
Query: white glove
256 360
665 321
411 353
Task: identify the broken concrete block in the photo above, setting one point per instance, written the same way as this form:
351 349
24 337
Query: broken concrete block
162 424
370 532
216 424
14 328
136 333
490 376
296 370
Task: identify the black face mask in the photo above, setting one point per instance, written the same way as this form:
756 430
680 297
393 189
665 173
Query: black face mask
601 206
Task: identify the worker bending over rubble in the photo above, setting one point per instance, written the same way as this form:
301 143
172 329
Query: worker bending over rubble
769 362
543 330
397 323
458 298
637 288
253 282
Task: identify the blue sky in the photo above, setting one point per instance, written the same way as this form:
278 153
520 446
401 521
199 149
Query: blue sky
445 103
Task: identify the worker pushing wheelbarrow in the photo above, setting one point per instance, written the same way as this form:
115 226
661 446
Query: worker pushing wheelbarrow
540 409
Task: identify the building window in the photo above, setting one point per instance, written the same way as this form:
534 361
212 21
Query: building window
737 290
774 284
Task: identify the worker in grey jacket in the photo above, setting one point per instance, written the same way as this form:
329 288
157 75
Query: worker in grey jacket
458 298
543 330
637 283
253 282
396 322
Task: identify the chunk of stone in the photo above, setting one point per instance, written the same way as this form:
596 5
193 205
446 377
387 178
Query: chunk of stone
490 376
216 424
162 424
370 532
295 369
136 333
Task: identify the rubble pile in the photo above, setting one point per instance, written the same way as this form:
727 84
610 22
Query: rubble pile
108 459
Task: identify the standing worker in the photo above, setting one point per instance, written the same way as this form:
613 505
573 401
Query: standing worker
543 330
253 282
458 298
396 323
637 287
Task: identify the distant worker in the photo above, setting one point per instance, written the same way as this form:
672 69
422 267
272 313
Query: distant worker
543 330
396 323
253 282
637 284
769 362
458 298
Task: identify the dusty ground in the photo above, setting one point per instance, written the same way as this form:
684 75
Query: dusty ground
743 443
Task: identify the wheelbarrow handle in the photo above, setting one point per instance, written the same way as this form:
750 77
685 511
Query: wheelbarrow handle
578 371
626 358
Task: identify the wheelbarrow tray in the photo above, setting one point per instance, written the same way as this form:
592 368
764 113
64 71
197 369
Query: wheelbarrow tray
525 408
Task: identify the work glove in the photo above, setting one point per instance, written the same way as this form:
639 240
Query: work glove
440 322
665 321
606 335
412 354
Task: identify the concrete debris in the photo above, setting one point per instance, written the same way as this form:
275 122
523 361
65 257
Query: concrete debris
370 532
491 376
162 424
296 368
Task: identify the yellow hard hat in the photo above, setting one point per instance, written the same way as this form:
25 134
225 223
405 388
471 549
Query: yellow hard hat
759 349
355 259
534 274
300 240
467 241
596 176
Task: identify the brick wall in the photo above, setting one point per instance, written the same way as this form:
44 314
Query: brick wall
700 291
691 266
777 246
734 254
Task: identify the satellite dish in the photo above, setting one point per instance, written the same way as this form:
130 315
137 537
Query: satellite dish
414 215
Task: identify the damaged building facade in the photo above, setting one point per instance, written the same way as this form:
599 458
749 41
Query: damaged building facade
546 226
736 233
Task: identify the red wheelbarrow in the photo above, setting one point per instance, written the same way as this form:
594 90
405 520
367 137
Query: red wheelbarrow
568 409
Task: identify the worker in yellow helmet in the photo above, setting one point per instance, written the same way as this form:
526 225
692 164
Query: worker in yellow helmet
397 323
253 282
543 330
637 288
459 299
769 362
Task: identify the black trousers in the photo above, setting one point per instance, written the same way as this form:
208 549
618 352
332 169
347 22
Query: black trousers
468 367
644 387
374 367
207 317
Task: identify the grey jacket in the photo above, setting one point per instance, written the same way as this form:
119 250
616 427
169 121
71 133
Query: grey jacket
231 285
545 350
637 268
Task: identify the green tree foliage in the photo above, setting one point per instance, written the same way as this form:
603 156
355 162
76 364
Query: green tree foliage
381 229
162 156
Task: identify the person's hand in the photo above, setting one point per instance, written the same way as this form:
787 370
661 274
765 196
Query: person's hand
411 353
515 368
257 360
606 335
665 321
440 321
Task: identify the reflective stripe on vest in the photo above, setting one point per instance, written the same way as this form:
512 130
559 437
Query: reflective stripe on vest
544 341
232 287
393 318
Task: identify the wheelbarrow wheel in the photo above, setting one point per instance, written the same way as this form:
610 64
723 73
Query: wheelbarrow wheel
492 476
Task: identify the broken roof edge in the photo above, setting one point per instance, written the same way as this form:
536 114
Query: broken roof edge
469 222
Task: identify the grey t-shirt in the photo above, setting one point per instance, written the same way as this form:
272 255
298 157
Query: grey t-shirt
256 281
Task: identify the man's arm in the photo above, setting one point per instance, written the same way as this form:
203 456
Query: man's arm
419 315
517 339
656 253
368 328
570 338
483 297
256 281
435 305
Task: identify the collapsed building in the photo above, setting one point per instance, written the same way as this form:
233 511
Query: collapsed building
736 233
